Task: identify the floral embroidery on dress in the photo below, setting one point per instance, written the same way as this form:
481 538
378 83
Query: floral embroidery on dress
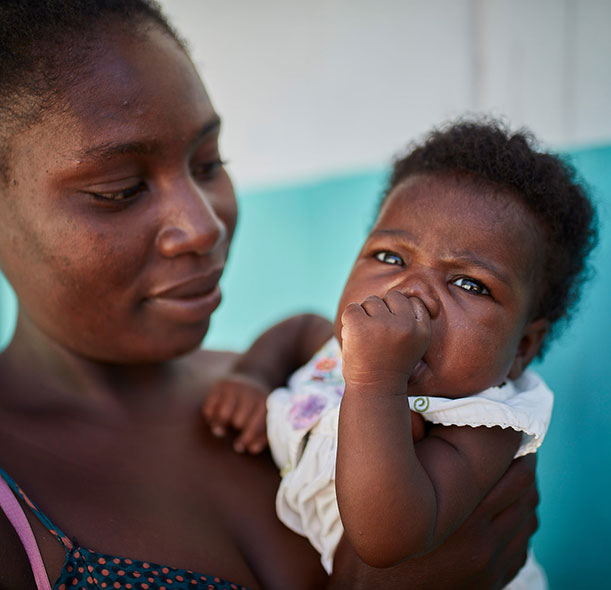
326 364
321 383
306 409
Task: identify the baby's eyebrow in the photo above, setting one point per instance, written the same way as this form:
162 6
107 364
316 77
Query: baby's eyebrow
397 233
466 258
472 260
109 149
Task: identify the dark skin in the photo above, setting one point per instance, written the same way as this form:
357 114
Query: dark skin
116 222
439 302
238 401
123 215
136 510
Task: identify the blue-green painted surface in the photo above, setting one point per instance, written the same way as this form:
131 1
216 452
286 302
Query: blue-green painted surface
293 250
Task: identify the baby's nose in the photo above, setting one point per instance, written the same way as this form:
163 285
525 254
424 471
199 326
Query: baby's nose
425 289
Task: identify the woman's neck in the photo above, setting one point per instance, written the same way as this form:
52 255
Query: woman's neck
41 367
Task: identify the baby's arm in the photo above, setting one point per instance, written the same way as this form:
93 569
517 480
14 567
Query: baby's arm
486 552
238 400
396 500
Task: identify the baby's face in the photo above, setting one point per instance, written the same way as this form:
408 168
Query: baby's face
471 255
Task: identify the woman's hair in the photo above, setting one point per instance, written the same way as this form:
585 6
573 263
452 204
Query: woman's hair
44 46
488 154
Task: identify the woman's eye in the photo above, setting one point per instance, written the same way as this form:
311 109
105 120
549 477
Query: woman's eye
472 286
389 258
122 195
208 170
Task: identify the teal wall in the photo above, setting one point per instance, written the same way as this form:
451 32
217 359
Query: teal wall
293 250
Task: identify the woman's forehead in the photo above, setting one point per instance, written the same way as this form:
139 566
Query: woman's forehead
131 76
141 89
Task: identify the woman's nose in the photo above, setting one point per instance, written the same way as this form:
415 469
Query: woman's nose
189 224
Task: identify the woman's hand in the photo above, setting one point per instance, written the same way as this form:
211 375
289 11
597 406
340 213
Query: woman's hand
486 552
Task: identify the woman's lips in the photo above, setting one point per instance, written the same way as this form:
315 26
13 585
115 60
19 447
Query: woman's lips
190 301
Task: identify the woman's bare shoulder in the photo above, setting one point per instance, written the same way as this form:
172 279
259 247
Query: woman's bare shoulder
207 366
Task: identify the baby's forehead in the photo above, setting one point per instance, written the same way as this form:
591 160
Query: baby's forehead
444 193
464 214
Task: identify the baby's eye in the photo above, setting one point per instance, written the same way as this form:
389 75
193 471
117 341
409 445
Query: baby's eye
471 285
208 170
389 258
122 195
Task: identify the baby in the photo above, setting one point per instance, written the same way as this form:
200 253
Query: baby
408 416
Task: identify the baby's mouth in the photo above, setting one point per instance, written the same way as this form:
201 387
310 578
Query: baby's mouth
417 372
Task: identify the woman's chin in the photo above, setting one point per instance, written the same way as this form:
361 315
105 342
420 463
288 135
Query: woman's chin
149 349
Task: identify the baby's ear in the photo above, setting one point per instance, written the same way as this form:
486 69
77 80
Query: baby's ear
529 346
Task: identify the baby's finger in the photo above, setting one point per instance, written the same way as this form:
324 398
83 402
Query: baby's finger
245 406
211 405
398 303
253 437
374 306
352 310
258 444
226 407
222 412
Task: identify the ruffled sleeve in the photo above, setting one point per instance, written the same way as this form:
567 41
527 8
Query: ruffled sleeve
524 405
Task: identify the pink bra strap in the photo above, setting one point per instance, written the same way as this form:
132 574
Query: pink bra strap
15 514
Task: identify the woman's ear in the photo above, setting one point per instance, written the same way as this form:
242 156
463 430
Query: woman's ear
529 346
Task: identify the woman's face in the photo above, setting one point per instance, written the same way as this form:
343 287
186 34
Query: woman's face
118 213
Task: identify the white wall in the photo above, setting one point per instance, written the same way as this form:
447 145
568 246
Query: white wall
313 86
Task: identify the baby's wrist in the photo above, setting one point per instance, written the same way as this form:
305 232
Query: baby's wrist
255 382
377 385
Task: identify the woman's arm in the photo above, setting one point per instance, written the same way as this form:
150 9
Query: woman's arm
486 552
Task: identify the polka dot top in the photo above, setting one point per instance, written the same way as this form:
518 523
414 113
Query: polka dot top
85 569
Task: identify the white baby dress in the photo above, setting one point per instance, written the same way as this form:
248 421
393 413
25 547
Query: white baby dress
302 431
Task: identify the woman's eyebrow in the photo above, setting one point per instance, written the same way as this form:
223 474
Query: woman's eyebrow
210 127
109 149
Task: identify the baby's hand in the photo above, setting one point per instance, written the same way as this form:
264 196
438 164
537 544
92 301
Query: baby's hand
238 402
383 340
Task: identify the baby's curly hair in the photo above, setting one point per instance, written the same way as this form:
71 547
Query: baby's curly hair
486 151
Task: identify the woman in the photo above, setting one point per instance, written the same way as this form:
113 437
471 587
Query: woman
117 215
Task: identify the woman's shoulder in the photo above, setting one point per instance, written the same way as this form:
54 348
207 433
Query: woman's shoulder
206 366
